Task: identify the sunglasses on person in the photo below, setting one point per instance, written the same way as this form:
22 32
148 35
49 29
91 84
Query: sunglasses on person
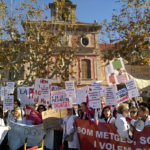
41 108
102 104
133 112
68 109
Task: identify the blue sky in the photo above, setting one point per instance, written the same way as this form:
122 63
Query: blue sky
90 10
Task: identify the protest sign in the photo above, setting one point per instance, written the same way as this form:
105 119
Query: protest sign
9 103
70 89
122 96
60 100
37 91
4 92
10 87
117 65
104 136
63 113
80 97
111 79
33 115
97 85
3 132
25 96
108 70
34 133
51 119
94 99
132 88
110 96
45 91
121 78
86 88
120 86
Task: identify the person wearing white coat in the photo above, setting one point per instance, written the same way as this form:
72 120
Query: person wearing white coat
106 116
143 112
68 126
123 128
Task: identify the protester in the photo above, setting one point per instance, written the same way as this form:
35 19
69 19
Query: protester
50 107
143 112
1 117
18 116
35 107
79 113
115 111
16 103
143 104
41 108
123 128
133 113
83 109
68 126
106 116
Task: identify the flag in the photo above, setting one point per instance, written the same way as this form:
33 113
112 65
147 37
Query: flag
33 115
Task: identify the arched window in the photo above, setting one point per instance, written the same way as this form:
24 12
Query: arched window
86 68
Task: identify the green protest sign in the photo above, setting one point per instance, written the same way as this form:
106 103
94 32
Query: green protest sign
117 64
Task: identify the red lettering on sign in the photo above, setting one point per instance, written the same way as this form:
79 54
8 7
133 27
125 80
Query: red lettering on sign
31 91
36 99
43 101
61 105
44 81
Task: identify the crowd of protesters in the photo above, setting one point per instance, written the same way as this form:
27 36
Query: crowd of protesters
106 114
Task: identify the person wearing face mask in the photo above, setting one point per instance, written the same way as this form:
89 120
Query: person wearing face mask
106 116
143 112
123 128
68 126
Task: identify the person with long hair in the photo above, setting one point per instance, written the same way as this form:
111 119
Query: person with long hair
133 113
68 126
106 116
143 112
41 108
123 128
83 109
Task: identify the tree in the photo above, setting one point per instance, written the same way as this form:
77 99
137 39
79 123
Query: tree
130 32
26 43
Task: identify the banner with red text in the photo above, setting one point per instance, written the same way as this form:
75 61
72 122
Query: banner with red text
104 136
25 95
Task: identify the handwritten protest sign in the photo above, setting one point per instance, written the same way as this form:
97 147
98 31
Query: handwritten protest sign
3 132
111 79
70 90
122 96
37 91
60 100
51 119
86 88
4 92
117 64
25 96
10 87
110 96
80 97
8 102
97 85
45 91
122 78
94 99
132 88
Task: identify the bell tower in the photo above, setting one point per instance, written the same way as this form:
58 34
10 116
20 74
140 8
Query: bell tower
63 15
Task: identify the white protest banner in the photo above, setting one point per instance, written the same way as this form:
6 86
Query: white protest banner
45 91
3 132
132 88
9 102
4 92
122 96
94 99
110 96
97 85
34 133
60 100
117 65
80 96
37 91
70 89
10 87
